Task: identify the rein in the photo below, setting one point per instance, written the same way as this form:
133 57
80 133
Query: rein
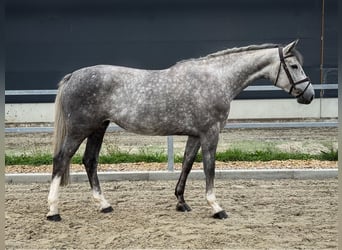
293 84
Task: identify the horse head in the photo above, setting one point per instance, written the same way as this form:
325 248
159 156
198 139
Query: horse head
290 75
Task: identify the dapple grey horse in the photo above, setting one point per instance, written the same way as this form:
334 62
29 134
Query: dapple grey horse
190 98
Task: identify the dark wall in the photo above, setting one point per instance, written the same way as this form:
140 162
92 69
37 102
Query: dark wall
47 39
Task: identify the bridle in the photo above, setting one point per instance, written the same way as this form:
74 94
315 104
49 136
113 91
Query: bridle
293 84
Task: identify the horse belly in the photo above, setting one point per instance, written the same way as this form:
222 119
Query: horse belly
154 120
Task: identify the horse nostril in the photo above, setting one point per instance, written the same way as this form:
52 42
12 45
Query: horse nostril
311 98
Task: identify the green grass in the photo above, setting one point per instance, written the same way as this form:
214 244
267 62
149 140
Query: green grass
143 156
28 159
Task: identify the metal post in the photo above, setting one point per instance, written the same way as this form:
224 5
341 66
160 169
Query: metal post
170 156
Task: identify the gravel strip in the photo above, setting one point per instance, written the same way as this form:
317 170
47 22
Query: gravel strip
143 166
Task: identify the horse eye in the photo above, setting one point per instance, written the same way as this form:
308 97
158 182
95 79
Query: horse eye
294 66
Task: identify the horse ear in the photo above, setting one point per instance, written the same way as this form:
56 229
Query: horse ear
290 46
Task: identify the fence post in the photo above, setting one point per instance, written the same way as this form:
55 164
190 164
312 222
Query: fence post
170 155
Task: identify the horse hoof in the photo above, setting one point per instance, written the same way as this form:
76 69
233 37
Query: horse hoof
221 215
107 210
55 217
183 207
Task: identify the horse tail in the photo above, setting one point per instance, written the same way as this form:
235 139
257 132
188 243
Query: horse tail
60 127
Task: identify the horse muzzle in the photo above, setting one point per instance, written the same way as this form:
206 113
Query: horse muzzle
307 96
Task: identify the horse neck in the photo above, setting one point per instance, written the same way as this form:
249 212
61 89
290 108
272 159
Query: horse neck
245 67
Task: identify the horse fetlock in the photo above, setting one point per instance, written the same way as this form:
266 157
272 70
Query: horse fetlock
99 198
211 199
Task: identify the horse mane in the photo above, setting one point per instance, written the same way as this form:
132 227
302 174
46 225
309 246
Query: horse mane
225 52
241 49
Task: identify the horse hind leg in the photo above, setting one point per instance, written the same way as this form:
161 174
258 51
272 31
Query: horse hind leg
61 164
90 161
191 149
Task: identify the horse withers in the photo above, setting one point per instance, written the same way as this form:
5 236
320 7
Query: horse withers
190 98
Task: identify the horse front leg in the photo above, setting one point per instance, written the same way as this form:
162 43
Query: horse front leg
191 149
209 145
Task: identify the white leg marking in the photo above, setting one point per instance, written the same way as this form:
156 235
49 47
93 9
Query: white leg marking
211 198
99 198
53 196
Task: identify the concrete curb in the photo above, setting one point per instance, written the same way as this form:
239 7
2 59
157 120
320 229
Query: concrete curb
262 174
